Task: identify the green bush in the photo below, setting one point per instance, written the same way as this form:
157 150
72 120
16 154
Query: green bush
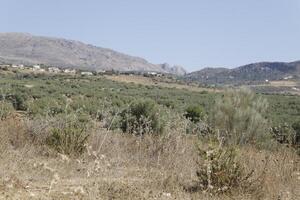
194 113
238 116
142 117
46 106
19 102
69 139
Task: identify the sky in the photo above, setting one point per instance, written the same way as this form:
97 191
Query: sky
191 33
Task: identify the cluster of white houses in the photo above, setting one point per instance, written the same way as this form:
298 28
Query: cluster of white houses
56 70
39 68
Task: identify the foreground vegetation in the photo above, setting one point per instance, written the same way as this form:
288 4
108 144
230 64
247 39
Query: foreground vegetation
66 137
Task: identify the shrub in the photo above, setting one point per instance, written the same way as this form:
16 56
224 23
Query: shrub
219 170
201 128
238 117
12 134
194 113
19 102
296 127
142 117
167 103
6 109
46 106
283 134
69 139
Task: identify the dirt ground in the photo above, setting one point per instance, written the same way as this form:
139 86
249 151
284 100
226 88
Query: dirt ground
153 82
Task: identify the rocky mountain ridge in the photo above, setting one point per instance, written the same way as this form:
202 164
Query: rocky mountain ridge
23 48
255 72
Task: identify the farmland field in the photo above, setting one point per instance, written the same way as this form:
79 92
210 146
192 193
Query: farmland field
42 93
82 137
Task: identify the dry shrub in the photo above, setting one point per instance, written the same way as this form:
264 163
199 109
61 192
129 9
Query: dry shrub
4 140
6 109
284 134
39 129
171 154
13 133
18 131
247 172
65 133
69 140
146 149
220 171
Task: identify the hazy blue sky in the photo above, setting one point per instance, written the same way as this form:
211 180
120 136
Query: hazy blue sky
192 33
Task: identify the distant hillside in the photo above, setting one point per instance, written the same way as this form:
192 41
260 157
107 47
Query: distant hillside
176 69
256 72
22 48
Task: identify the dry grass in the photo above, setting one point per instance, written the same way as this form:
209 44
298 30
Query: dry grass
153 82
282 176
122 166
284 83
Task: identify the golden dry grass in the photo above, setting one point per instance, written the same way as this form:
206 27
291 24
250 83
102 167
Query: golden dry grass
284 83
154 82
122 166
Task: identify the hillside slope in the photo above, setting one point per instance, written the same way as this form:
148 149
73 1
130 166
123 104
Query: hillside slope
256 72
22 48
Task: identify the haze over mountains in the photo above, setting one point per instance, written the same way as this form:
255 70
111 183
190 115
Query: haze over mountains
23 48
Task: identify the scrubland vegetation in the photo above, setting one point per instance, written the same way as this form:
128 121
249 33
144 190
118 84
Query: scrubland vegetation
66 137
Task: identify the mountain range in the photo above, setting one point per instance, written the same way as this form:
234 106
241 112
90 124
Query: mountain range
252 73
23 48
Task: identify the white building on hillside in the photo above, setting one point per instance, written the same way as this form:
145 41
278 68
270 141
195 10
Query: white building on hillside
101 71
152 73
288 77
54 70
36 67
87 73
70 71
18 66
